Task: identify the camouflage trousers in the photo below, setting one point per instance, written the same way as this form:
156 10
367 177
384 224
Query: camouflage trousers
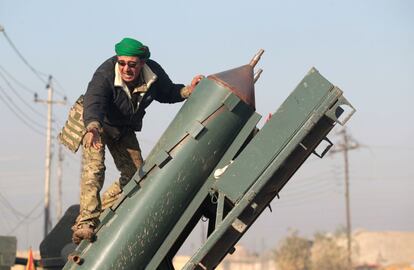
127 157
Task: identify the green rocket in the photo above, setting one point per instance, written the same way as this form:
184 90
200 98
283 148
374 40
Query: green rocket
213 162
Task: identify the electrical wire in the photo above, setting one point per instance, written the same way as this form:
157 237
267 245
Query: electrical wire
28 124
59 85
18 112
291 202
305 181
36 72
312 186
27 216
10 207
316 176
317 190
17 109
24 87
16 93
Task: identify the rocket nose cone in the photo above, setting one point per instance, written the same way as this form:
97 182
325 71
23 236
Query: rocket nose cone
238 80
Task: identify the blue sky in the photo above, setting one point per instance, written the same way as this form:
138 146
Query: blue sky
364 47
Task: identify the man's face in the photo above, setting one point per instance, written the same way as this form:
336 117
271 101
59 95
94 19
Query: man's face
129 67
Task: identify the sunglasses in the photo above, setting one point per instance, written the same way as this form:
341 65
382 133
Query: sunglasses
130 64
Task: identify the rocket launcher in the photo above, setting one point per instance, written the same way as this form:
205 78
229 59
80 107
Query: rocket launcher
212 162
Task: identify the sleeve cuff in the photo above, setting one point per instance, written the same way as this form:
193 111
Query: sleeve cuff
94 125
185 92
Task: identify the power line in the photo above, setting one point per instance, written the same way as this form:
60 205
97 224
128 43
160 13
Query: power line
12 209
27 216
317 191
9 206
24 87
36 72
62 94
316 176
292 202
302 192
20 97
24 117
306 181
13 110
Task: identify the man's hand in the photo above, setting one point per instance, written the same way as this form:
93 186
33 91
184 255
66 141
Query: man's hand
188 90
92 138
194 82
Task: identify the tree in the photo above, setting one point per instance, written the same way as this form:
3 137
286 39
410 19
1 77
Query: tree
293 253
326 254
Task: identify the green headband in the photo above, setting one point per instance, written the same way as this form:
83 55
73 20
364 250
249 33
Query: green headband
132 47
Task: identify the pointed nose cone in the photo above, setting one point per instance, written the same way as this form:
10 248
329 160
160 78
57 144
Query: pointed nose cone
238 80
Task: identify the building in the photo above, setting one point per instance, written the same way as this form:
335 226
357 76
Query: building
386 249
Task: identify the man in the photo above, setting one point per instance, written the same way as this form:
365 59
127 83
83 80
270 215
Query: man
114 105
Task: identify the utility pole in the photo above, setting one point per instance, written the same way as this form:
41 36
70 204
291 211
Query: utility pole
59 183
48 160
347 144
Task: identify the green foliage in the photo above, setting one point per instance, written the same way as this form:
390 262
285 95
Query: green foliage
327 254
323 253
293 253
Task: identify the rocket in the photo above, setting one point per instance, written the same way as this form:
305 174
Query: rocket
213 162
